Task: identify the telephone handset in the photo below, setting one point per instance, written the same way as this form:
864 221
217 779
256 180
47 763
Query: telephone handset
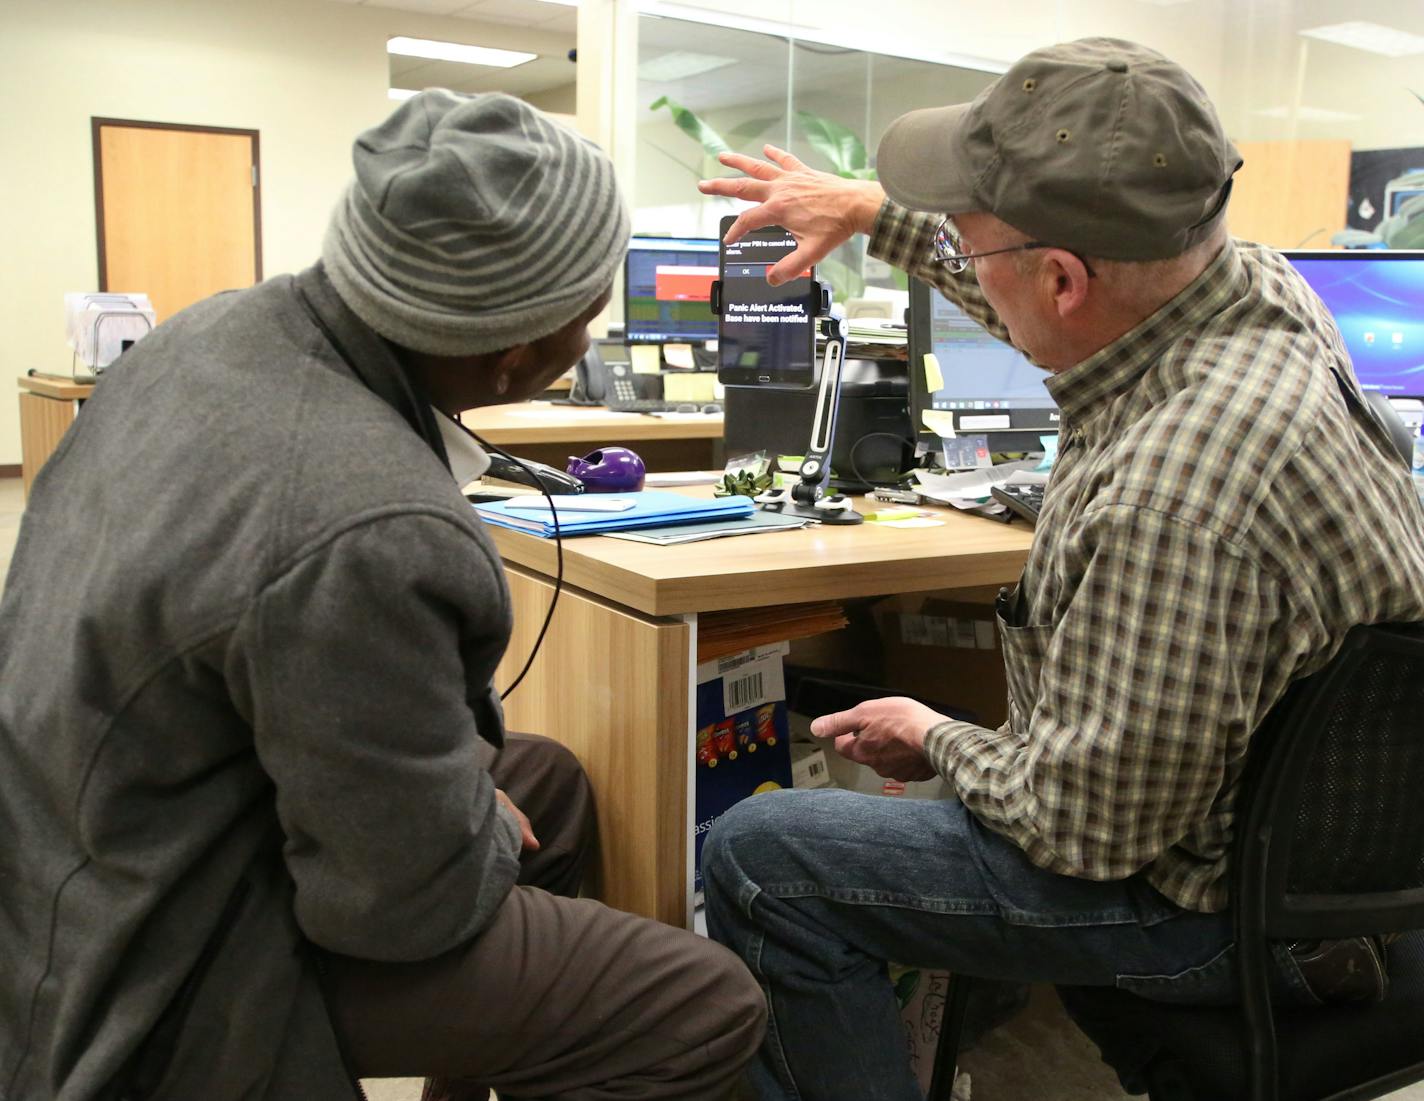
612 382
590 379
553 480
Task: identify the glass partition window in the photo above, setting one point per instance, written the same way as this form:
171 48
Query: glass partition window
704 88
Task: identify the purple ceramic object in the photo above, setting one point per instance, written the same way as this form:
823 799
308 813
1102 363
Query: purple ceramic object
609 470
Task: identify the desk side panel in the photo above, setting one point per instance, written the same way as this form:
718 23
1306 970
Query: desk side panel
612 686
43 423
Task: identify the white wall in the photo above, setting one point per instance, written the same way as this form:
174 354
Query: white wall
305 73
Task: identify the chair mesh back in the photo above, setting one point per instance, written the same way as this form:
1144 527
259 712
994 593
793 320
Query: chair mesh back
1360 824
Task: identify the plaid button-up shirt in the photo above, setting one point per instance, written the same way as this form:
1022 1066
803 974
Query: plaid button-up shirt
1218 517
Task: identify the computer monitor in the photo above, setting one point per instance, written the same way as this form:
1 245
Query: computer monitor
1377 299
667 285
986 387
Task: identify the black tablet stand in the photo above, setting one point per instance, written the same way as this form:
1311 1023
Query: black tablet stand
808 497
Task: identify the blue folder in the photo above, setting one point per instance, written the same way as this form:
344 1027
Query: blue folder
651 509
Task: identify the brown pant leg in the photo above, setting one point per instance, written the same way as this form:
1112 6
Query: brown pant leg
547 783
558 998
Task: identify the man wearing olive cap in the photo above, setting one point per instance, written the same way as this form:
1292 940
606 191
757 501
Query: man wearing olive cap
1222 510
263 829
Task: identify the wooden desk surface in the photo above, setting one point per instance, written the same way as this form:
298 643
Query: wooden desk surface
542 422
814 563
55 388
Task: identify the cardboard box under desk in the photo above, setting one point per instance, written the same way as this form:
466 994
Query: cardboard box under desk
947 651
743 747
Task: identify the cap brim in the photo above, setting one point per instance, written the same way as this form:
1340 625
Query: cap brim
922 161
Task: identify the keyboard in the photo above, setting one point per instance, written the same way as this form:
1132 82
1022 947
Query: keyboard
1022 500
642 405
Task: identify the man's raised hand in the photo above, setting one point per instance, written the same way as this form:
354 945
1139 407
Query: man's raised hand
821 210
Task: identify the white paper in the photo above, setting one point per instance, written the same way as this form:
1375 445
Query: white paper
970 489
682 478
573 502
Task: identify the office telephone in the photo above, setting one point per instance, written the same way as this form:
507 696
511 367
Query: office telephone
611 382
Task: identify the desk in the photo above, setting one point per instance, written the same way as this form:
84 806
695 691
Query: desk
47 409
551 433
614 680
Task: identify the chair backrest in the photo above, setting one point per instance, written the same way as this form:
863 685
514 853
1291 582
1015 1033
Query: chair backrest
1388 415
1333 798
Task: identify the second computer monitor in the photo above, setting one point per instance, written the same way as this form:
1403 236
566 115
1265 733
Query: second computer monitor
985 387
668 290
1377 299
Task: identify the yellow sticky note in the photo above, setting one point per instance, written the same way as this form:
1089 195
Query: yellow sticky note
678 355
934 377
939 422
882 515
647 359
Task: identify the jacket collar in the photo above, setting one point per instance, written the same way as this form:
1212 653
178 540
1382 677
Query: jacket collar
369 356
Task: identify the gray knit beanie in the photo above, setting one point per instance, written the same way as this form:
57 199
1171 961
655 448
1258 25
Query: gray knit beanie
474 223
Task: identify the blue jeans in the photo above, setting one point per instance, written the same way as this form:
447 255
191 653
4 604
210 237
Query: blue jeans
817 890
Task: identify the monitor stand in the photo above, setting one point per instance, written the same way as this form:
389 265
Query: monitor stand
808 497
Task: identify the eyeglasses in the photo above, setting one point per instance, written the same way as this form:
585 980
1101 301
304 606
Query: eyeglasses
949 249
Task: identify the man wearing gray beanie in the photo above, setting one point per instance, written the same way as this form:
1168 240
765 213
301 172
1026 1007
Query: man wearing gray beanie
273 834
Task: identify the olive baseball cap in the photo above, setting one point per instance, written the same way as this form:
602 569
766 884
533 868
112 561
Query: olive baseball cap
1100 146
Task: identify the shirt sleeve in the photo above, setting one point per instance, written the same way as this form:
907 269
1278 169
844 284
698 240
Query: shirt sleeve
365 671
1148 686
905 238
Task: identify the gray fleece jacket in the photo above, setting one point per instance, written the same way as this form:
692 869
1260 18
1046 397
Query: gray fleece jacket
246 650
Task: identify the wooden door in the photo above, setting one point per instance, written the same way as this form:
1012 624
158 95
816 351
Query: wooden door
178 210
1291 194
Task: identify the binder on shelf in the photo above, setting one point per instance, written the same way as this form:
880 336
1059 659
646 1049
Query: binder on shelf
651 508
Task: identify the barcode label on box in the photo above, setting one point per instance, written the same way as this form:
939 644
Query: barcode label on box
914 631
753 684
808 768
744 692
963 634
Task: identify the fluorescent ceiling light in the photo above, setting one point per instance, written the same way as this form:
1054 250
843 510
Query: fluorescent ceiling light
1307 114
455 51
401 93
1374 37
679 65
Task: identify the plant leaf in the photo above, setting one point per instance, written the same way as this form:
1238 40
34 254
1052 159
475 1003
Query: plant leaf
749 130
845 282
837 143
692 126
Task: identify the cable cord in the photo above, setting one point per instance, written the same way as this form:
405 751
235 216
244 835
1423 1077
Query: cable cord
850 455
558 557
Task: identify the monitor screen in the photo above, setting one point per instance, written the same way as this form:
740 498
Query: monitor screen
1397 197
1377 299
983 384
668 290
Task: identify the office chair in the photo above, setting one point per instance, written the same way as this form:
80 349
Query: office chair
1329 845
1388 415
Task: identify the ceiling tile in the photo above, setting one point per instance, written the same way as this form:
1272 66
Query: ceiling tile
426 7
525 12
566 21
534 76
